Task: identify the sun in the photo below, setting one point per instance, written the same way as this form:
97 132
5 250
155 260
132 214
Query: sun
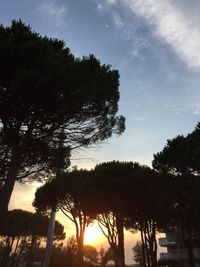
93 234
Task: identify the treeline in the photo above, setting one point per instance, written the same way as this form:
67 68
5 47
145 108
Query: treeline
127 195
66 255
22 238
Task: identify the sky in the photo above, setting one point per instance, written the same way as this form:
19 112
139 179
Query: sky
155 46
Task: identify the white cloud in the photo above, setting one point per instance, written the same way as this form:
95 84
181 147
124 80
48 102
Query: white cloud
53 12
174 22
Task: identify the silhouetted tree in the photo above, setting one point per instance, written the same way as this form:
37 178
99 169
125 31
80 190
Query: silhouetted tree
137 254
106 256
90 253
145 200
106 196
64 255
44 89
180 156
21 228
180 159
69 193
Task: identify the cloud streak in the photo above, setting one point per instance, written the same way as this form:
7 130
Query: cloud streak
173 22
53 12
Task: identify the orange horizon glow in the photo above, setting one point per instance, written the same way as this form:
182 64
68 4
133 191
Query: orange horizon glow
93 235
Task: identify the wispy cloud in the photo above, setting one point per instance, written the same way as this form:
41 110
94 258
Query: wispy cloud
173 22
139 118
53 12
125 26
175 108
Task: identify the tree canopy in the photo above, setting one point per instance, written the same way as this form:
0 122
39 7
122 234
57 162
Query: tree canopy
24 223
22 233
114 193
180 160
68 192
44 89
180 156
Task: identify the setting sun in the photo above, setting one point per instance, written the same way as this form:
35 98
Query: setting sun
93 234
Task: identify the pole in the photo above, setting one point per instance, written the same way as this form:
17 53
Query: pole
50 235
60 167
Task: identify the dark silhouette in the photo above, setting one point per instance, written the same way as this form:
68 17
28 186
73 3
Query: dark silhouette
44 89
180 160
23 232
107 193
68 193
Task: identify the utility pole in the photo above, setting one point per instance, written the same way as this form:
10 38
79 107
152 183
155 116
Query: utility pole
61 154
50 235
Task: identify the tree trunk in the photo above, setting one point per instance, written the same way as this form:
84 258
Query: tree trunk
187 237
80 246
146 242
37 249
20 252
14 256
149 231
120 232
8 248
6 190
116 256
143 248
30 254
118 262
33 253
17 244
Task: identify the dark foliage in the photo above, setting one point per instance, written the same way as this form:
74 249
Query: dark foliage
180 160
43 90
22 233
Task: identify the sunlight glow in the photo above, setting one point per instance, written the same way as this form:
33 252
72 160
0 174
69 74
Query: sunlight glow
93 235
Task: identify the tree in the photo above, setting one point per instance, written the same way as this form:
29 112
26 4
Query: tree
65 255
72 247
101 255
145 200
180 156
22 227
129 195
68 193
90 253
106 198
44 89
180 160
106 256
137 253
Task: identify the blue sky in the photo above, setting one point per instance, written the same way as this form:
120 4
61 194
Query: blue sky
155 46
